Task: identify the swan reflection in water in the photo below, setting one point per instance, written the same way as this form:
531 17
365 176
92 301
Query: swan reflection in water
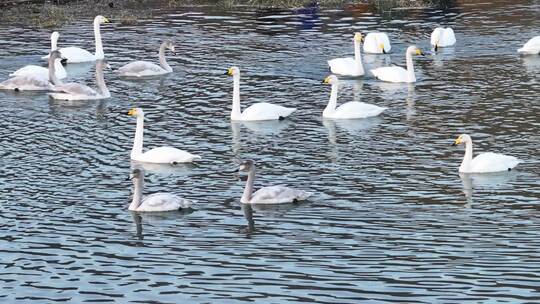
275 211
182 169
257 128
472 181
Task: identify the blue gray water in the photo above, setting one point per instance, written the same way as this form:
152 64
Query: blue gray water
391 220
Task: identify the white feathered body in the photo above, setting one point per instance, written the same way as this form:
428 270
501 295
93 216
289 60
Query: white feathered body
443 37
354 109
532 46
76 55
162 202
41 72
392 74
141 69
346 66
265 111
373 41
27 83
489 162
165 155
277 195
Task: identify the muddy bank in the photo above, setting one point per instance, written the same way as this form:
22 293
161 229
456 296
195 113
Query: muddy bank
54 13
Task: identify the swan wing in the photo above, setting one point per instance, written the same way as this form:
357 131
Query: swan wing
391 74
163 202
373 41
75 54
531 47
278 195
355 109
344 66
265 111
141 68
26 83
166 155
32 70
493 162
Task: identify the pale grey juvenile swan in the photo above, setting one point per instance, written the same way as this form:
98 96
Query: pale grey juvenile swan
157 202
76 91
268 195
145 68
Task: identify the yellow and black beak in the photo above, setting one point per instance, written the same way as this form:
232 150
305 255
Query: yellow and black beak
105 20
419 52
132 112
436 46
326 80
457 141
382 48
229 72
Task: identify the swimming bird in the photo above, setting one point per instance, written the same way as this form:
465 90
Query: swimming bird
161 155
377 43
268 195
349 110
76 91
257 111
399 74
532 47
145 68
485 162
39 71
156 202
76 54
34 82
349 66
442 37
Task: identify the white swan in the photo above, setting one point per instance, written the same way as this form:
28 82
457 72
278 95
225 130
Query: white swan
157 202
349 110
76 91
377 43
532 47
485 162
441 37
349 66
39 71
145 68
399 74
258 111
268 195
34 82
76 54
161 155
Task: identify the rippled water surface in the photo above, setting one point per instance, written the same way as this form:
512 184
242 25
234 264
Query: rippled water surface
391 220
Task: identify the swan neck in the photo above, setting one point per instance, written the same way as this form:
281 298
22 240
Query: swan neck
138 185
100 82
52 71
54 43
138 141
162 60
97 36
410 68
236 111
332 103
248 190
358 57
467 159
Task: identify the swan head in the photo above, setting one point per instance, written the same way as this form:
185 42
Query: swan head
233 71
332 79
462 139
135 112
358 37
246 165
101 19
413 50
168 44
